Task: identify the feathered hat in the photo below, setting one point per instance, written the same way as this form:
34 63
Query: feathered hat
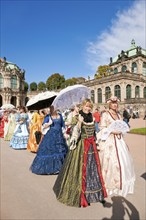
113 99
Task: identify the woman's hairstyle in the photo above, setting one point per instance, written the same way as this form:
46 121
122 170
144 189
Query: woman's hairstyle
85 101
23 108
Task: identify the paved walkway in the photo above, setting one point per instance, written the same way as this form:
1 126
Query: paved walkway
30 197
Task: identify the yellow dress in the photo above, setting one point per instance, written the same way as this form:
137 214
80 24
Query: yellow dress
37 121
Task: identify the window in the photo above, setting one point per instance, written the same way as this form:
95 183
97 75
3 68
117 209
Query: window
128 92
117 91
144 92
137 92
124 68
99 95
1 81
134 68
107 92
115 71
144 69
92 96
14 82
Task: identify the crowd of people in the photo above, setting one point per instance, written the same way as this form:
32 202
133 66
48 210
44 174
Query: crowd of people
84 148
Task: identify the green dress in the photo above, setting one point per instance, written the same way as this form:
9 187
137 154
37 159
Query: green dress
80 181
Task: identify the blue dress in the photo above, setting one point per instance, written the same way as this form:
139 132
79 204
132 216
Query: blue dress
52 150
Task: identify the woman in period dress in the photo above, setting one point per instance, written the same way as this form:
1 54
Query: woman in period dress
80 181
3 123
20 137
35 128
116 162
11 125
52 149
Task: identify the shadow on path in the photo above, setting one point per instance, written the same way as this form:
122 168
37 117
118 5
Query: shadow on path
144 176
120 208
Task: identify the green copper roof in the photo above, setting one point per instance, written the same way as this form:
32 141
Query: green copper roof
12 66
132 51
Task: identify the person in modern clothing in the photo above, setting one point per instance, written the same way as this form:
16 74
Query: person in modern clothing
126 116
96 115
80 181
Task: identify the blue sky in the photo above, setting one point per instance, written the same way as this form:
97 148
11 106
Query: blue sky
68 37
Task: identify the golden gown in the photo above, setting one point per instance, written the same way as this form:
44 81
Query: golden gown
37 121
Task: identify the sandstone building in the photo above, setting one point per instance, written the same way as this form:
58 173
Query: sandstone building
127 80
11 84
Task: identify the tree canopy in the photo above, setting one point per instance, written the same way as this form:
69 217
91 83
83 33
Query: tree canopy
55 81
41 86
103 71
33 86
26 86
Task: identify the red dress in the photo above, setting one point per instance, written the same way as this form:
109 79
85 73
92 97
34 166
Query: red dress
2 124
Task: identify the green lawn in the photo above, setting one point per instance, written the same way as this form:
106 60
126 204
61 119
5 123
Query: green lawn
138 131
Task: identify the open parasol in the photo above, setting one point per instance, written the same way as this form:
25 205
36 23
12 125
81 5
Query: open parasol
7 106
70 96
42 100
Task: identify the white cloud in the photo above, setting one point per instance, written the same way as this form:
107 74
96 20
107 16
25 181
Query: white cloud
129 24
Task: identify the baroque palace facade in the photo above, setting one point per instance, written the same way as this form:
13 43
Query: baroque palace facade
127 80
12 80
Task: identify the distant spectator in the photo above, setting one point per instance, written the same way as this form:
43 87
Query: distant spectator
144 115
126 116
96 115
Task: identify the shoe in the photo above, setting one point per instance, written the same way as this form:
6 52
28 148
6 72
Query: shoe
103 202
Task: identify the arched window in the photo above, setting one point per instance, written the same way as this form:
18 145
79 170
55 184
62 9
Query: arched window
14 82
115 70
144 69
124 68
107 92
137 92
26 100
1 100
117 91
99 95
92 96
1 81
134 68
144 92
128 92
13 100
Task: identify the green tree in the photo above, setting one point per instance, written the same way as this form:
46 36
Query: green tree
102 71
41 86
33 86
26 86
70 82
55 81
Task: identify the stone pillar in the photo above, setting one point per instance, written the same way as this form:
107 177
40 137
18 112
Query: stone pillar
123 91
140 67
95 95
7 81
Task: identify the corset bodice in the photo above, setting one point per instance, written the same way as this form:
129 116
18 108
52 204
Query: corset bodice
87 130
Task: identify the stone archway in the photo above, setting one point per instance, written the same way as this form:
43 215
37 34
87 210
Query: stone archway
26 100
13 100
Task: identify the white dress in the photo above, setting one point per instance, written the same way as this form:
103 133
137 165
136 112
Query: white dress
116 161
